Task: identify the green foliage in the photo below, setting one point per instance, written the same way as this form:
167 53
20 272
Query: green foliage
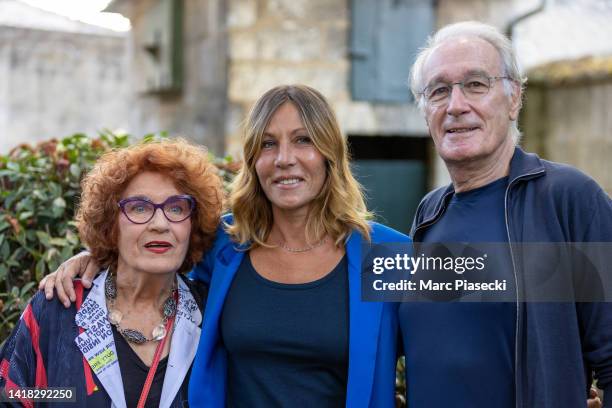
227 167
400 383
39 190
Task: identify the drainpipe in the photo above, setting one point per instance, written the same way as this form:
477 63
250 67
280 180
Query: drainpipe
543 103
518 19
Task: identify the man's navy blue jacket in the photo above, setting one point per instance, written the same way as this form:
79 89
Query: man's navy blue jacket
558 345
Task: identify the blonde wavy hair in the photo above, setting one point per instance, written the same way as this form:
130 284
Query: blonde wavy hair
339 207
188 167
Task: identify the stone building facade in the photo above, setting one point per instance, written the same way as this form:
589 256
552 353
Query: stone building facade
234 50
58 76
287 41
196 106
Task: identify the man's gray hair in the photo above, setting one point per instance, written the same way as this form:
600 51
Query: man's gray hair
486 32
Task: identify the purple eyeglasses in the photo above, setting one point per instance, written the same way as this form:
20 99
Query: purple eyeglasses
140 210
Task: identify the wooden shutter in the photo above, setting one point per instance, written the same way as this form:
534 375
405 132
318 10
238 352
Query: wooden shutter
385 37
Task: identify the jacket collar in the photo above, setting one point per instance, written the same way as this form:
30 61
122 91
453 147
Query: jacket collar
226 264
522 165
97 343
430 209
185 339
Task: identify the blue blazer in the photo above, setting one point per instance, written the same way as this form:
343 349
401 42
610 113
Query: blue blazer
373 329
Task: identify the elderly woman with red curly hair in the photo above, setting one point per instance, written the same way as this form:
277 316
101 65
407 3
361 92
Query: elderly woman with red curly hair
147 213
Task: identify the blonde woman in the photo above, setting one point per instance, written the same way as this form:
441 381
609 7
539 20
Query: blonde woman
285 324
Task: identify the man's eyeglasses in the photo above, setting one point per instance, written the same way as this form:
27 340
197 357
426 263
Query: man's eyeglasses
140 210
473 87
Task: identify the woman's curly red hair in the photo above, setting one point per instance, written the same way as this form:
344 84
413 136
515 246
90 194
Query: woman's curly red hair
187 165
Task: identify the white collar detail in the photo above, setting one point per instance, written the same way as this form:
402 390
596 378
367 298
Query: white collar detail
98 345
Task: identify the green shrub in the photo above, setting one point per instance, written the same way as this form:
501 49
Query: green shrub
39 190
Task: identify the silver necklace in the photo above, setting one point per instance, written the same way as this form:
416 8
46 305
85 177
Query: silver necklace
303 249
115 316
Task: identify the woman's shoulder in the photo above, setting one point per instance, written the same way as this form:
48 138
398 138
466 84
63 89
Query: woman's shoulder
39 304
383 233
46 316
222 236
223 240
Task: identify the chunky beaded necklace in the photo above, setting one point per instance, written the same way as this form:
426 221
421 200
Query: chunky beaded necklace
115 316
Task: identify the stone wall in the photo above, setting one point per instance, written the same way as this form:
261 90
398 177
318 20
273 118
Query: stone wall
274 42
496 12
53 84
572 124
198 112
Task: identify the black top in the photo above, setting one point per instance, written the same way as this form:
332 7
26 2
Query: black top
134 373
287 344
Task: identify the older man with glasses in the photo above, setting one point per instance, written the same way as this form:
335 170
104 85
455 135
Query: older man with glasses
501 354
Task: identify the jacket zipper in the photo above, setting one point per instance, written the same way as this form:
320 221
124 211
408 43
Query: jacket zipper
516 287
436 215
